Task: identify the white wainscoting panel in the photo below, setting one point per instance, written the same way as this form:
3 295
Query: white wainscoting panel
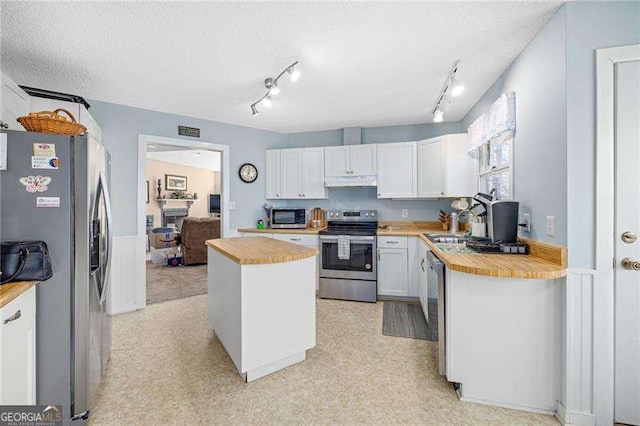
127 271
577 392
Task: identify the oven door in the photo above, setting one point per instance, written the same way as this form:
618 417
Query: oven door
361 264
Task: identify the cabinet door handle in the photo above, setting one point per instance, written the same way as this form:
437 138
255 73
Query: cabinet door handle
295 239
422 265
4 125
378 255
391 242
13 317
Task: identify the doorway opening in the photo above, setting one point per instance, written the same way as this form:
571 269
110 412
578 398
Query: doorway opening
183 202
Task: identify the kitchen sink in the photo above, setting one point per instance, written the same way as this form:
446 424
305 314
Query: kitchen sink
447 238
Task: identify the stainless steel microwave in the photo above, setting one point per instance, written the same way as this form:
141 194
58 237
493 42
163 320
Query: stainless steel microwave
288 217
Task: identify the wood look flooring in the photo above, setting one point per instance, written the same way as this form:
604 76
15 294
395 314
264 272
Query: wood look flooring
167 367
402 319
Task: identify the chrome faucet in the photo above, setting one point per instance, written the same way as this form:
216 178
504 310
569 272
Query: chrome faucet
468 212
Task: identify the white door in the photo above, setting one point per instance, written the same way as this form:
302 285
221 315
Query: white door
291 173
392 272
431 167
336 161
313 173
363 160
627 274
272 178
397 176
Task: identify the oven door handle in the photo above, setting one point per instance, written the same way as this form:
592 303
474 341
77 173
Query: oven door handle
351 239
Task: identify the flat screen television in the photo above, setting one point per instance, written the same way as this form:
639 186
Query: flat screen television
214 203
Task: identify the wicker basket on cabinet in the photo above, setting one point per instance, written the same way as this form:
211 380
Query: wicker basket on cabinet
52 122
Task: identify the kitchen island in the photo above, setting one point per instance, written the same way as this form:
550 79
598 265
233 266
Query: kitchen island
262 302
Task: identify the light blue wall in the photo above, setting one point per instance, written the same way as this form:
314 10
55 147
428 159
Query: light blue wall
540 150
121 126
590 26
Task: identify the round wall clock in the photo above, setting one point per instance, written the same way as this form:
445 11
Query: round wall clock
248 173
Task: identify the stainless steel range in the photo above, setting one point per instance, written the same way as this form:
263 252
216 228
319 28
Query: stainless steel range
348 263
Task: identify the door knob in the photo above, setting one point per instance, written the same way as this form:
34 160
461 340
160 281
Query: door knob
630 264
629 237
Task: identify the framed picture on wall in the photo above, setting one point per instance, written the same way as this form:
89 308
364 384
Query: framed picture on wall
175 183
147 192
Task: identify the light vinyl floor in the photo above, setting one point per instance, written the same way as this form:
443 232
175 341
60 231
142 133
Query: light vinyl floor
167 367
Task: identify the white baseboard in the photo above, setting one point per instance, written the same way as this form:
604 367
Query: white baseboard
128 290
573 417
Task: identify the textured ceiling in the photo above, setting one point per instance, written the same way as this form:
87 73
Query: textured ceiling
362 64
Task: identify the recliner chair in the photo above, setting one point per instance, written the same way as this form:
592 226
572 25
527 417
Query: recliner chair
195 231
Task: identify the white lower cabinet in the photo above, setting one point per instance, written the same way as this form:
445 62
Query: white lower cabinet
307 240
18 350
392 271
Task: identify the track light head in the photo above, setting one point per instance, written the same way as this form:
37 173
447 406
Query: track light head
438 115
254 110
294 73
272 86
456 87
267 102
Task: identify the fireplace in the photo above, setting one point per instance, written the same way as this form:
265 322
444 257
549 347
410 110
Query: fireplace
173 217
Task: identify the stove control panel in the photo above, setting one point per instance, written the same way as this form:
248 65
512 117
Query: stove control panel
352 215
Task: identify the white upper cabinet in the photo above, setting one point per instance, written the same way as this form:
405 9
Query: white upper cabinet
295 173
444 167
350 160
14 103
397 174
363 160
272 174
291 173
432 165
336 161
313 173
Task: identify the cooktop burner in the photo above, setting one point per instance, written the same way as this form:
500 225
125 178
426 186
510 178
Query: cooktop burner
351 222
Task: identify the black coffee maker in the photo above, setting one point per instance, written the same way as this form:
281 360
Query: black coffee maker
502 218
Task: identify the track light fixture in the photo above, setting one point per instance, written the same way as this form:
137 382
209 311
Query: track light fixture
452 88
273 88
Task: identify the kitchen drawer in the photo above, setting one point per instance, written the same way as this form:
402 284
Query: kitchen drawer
300 239
256 234
392 242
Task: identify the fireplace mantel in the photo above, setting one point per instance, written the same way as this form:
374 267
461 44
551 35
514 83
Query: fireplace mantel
175 202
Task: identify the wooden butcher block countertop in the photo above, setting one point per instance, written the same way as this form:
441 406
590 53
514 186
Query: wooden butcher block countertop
260 250
545 261
311 231
11 291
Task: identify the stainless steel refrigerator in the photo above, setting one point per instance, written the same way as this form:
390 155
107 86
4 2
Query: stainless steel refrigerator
55 189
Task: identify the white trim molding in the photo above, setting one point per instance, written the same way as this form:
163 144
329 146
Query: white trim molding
128 298
603 287
576 386
125 295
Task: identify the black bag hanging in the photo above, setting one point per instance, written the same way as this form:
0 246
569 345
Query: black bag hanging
24 261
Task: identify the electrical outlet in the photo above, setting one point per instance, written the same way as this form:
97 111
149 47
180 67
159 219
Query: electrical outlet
405 213
551 226
526 219
232 205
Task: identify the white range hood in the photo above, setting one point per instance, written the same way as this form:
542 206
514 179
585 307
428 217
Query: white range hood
350 181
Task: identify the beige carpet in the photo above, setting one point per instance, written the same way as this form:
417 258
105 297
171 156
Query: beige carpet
165 283
167 367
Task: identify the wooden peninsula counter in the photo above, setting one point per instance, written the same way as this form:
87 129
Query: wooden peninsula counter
262 304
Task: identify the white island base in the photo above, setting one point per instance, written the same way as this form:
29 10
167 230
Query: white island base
263 314
503 343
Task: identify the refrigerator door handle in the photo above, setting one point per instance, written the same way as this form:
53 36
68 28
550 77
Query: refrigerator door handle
109 248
